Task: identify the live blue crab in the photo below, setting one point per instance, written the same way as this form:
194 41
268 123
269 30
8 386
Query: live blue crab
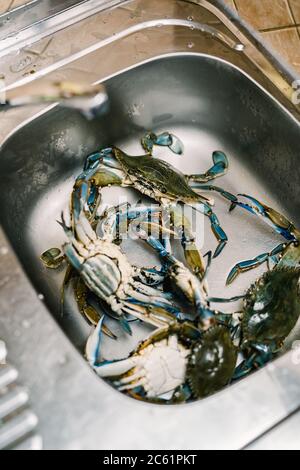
272 304
100 267
181 360
159 180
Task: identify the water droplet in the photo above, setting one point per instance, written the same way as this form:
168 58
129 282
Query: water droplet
41 297
190 18
190 45
192 27
239 47
62 360
26 324
3 250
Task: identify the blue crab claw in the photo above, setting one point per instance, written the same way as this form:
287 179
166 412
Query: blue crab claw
103 156
219 168
273 218
166 139
221 165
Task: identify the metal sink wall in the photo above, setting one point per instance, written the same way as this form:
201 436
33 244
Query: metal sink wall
167 70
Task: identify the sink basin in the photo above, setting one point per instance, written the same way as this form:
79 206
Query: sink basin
168 65
210 105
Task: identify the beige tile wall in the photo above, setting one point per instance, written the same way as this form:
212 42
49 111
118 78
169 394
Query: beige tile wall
7 5
278 21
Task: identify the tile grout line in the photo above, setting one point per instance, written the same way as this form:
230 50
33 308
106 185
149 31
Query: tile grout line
235 5
293 16
280 28
10 6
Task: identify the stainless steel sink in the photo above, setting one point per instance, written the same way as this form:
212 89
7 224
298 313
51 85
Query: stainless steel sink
173 66
209 104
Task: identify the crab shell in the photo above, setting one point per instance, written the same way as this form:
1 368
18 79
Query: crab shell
161 367
156 178
106 271
212 362
272 307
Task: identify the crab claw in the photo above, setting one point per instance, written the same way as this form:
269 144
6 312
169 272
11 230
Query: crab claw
166 139
219 168
96 158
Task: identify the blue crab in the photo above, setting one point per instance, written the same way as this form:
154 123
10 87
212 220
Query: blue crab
272 304
99 267
180 359
158 180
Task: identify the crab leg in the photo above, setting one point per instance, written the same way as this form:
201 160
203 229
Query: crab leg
281 225
273 218
155 316
192 254
248 265
146 301
106 368
215 226
222 300
219 168
227 195
87 310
